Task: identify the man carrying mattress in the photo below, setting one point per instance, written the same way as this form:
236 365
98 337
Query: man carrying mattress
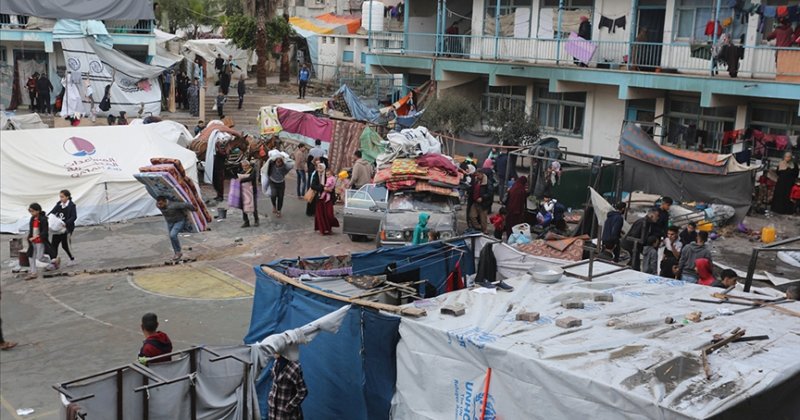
175 215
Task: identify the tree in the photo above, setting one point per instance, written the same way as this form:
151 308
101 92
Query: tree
513 127
451 115
191 15
262 35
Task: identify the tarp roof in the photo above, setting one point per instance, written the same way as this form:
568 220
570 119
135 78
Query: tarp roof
622 362
80 9
326 24
95 163
636 143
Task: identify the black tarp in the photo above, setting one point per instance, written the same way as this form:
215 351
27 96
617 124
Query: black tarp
80 9
733 189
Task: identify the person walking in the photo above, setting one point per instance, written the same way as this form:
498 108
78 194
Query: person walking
480 201
193 95
38 239
65 210
277 169
516 203
302 78
324 219
300 157
241 89
363 171
316 183
175 215
248 185
43 89
221 99
31 86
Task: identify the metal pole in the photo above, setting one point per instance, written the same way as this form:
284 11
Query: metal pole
439 28
558 40
751 270
633 30
369 29
405 24
497 30
714 36
193 388
119 394
145 399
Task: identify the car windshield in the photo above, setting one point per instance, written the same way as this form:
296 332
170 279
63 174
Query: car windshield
411 201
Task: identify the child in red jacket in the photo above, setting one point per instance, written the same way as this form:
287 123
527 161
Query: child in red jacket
498 220
795 196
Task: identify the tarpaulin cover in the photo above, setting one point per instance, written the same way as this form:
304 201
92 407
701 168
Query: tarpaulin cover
73 28
306 124
80 9
622 362
434 261
358 109
346 140
208 50
733 189
132 83
326 24
371 144
637 144
95 163
350 375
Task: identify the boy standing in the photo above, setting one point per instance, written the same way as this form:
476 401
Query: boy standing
303 77
175 215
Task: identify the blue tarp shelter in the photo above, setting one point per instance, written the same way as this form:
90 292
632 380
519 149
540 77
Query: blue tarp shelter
350 375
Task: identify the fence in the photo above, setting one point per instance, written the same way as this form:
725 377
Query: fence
758 61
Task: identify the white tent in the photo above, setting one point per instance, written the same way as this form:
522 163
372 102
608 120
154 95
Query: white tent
209 48
95 163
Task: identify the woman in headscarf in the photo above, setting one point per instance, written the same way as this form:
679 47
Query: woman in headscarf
65 210
324 219
316 183
787 174
193 93
73 100
247 179
517 203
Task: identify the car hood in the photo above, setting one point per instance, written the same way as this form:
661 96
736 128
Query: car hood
438 222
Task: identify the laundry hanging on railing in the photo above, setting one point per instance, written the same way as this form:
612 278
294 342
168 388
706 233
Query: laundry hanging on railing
612 24
580 48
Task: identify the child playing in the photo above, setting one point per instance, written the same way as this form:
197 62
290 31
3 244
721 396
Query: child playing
498 220
795 196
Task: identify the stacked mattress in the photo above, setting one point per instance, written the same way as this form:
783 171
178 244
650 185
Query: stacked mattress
167 177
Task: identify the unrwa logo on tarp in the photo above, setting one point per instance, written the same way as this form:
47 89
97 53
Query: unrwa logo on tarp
79 147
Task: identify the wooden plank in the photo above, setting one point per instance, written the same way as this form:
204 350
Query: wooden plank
415 312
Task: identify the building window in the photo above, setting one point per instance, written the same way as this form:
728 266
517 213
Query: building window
775 119
691 126
503 98
560 113
507 12
349 41
691 17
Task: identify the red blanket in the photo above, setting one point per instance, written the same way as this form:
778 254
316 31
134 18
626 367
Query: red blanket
306 124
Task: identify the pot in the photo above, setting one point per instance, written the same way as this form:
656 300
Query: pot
546 273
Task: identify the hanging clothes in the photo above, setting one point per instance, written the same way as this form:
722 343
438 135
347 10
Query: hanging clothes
613 24
288 390
455 280
487 265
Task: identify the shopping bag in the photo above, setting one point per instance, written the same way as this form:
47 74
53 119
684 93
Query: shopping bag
235 194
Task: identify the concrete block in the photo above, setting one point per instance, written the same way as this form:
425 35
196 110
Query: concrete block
572 304
568 322
528 316
604 297
454 310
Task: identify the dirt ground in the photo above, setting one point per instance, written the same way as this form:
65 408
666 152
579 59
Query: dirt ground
734 248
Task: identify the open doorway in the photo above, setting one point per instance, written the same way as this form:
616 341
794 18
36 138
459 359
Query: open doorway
651 18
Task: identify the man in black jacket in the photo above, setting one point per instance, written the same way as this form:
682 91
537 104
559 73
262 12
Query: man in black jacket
479 201
43 88
612 229
634 239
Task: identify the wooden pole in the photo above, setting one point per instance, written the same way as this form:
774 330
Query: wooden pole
415 312
171 99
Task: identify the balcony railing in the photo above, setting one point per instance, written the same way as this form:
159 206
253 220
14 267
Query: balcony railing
677 57
112 26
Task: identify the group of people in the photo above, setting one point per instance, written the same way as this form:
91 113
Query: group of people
224 69
187 92
48 231
686 253
39 89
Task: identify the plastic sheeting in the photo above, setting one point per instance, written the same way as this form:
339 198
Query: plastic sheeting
358 109
208 50
21 122
78 9
306 124
72 28
637 368
95 163
132 83
349 375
